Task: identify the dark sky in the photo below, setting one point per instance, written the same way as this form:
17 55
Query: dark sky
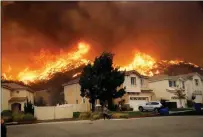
165 30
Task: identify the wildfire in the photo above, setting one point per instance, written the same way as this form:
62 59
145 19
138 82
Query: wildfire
53 64
143 63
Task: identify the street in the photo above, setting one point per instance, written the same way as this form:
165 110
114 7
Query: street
187 126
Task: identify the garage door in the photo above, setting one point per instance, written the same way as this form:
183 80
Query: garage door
135 101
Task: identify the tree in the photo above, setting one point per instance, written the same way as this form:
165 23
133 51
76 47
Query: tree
28 107
88 82
180 95
101 80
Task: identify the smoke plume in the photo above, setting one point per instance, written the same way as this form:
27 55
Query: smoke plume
165 30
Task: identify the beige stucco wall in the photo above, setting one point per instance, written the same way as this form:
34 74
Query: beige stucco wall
5 96
23 93
190 87
132 88
159 89
45 95
58 112
72 93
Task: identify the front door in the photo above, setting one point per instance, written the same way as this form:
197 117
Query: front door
16 107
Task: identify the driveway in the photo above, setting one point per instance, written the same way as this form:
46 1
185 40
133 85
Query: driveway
187 126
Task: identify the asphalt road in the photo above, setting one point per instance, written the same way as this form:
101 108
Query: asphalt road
187 126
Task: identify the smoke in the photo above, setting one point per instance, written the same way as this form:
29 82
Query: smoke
165 30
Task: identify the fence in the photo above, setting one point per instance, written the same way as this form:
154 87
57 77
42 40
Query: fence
58 112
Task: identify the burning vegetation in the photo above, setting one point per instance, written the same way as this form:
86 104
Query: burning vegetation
67 61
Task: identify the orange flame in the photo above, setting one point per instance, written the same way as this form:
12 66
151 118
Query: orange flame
143 63
53 64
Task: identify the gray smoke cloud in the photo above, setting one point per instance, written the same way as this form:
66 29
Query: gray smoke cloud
165 30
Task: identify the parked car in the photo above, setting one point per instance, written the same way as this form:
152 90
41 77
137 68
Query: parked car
150 106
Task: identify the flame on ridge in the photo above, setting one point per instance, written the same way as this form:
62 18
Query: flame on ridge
60 63
142 63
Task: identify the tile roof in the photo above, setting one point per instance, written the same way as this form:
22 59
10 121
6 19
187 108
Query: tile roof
167 77
18 99
71 82
15 86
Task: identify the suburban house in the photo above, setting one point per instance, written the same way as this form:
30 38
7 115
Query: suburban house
136 88
165 87
42 97
72 93
14 96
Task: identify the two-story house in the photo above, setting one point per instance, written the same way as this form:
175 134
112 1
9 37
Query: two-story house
137 91
165 87
13 96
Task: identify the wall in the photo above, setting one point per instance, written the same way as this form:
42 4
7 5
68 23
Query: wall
45 95
5 96
72 93
190 87
132 88
58 112
23 93
159 89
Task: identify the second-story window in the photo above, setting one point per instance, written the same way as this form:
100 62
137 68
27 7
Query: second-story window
133 80
196 82
172 83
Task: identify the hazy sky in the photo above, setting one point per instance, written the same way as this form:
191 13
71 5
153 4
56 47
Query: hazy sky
165 30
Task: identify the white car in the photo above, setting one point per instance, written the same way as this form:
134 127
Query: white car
150 106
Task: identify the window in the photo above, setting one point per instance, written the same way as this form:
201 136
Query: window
155 103
76 101
133 80
141 81
148 103
170 83
196 82
183 84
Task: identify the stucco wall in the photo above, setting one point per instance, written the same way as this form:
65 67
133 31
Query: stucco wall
58 112
23 93
132 88
5 96
72 93
190 87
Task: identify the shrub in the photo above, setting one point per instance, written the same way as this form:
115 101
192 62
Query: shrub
76 114
7 115
189 103
84 115
126 107
28 117
17 117
96 115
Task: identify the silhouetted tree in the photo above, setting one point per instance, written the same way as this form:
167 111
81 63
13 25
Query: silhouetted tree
28 107
101 80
